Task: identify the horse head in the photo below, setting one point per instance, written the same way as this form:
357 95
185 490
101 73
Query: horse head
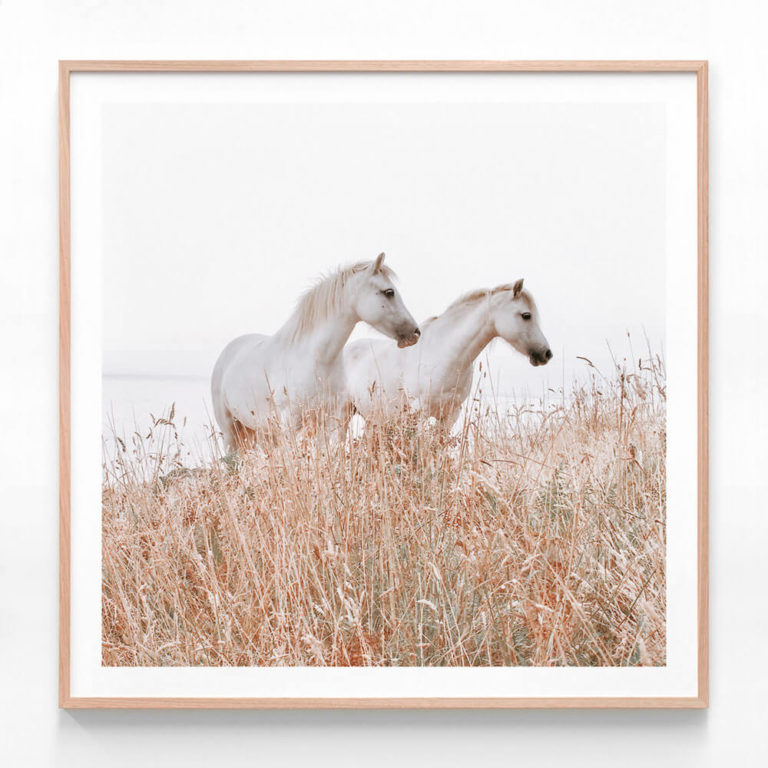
378 303
516 320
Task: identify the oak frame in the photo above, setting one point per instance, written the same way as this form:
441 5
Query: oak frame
701 700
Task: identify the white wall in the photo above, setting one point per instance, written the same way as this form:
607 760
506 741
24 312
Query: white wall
34 34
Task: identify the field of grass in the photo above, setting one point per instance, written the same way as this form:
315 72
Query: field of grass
536 538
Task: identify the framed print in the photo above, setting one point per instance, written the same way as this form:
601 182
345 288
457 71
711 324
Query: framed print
383 384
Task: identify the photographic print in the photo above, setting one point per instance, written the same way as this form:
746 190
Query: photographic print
388 384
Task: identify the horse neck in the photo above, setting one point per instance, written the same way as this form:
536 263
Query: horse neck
326 339
464 334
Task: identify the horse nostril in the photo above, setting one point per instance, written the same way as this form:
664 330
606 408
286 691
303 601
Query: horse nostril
548 354
417 332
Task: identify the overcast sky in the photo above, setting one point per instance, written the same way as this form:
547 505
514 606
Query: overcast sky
216 216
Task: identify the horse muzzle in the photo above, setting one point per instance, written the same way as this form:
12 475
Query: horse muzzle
408 340
540 357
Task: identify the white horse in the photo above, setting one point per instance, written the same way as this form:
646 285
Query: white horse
261 382
436 376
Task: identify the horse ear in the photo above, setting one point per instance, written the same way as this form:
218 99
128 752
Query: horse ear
376 265
517 287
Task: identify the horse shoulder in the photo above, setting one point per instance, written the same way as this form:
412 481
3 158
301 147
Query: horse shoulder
440 383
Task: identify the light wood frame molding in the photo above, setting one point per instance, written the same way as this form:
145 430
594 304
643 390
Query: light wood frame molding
66 68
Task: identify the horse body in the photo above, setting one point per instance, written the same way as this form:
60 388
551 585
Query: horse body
435 377
262 382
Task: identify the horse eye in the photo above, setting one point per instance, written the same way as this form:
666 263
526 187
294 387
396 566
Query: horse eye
389 292
525 315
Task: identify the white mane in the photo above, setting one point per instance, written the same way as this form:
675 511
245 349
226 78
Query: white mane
324 300
473 297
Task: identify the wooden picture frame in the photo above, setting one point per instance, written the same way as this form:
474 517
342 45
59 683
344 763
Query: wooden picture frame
69 68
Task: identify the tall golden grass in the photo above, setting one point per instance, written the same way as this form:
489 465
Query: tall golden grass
533 538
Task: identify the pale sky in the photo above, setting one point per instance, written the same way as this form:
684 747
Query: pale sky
216 217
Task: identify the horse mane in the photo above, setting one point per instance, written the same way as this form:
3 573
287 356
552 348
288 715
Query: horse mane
473 297
324 299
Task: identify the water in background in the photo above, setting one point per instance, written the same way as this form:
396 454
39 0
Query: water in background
140 387
131 404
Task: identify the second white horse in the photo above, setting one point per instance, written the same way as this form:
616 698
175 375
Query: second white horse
435 377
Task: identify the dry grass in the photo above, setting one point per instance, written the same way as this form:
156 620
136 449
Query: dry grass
536 539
